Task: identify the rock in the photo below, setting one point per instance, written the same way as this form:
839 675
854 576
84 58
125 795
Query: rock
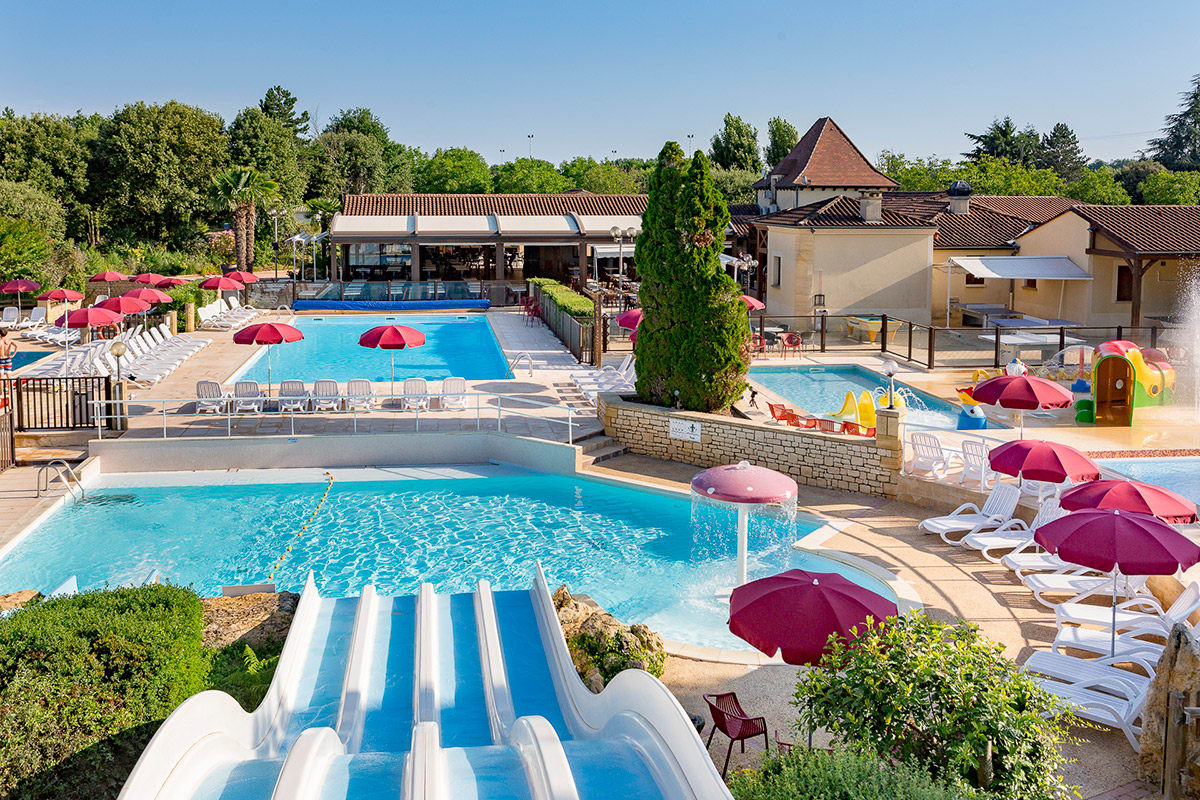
649 639
17 599
594 681
1177 671
636 663
571 617
562 597
251 618
601 626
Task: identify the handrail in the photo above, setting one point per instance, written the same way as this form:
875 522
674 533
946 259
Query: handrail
524 354
58 465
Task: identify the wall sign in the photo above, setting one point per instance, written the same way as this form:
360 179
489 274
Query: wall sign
685 429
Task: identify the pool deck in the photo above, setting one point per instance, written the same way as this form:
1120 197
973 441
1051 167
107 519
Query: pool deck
952 582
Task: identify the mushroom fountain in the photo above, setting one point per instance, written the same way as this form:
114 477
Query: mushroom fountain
744 486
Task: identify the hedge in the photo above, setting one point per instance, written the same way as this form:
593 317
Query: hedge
85 682
838 775
570 301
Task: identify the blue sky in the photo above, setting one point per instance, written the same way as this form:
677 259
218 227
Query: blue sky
625 76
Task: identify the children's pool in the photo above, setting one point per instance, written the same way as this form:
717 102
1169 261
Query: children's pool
647 557
821 390
461 345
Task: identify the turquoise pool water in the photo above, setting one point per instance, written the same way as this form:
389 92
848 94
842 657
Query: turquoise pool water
647 557
25 357
1180 475
460 345
821 390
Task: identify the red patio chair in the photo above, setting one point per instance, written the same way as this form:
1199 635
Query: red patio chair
781 413
790 341
798 421
729 718
784 747
758 344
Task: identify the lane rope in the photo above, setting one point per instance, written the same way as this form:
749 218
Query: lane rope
304 528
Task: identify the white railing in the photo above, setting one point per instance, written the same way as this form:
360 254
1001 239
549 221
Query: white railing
400 405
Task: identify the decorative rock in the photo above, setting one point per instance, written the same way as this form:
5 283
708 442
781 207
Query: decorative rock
251 618
594 681
17 599
1178 670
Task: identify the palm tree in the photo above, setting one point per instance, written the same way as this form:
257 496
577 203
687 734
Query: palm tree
240 190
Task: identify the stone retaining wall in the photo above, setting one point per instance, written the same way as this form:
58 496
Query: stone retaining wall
812 458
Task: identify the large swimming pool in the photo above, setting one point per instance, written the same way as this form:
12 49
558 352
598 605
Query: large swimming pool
822 390
645 556
1180 475
462 345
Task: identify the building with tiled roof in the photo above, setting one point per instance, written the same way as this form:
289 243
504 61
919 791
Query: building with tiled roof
1034 208
511 205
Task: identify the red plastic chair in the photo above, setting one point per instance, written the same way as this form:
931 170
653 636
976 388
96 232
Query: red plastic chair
790 341
729 718
758 344
780 412
783 746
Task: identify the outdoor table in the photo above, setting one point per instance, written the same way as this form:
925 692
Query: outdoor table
1011 343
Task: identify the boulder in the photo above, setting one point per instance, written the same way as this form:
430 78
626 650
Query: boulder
594 681
1178 671
600 643
17 599
250 618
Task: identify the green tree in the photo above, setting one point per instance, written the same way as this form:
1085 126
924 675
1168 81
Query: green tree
1003 140
1099 186
692 341
1131 174
1060 152
26 201
1171 189
24 249
735 146
456 170
735 185
931 174
1179 146
264 143
343 162
240 191
992 175
50 153
359 120
401 167
781 138
527 175
280 105
152 167
583 172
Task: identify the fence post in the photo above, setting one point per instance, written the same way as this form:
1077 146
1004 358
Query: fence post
824 326
883 328
1120 331
1062 338
1154 336
1173 745
164 418
996 355
910 338
597 331
932 344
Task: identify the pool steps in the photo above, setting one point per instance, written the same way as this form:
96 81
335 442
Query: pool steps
438 698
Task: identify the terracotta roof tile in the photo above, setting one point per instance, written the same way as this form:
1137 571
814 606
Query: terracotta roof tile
981 227
741 215
470 205
825 156
1035 208
1148 229
839 212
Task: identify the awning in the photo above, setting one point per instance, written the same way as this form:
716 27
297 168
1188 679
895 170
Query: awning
1055 268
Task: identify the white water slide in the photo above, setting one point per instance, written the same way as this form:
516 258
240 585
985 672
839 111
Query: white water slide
465 696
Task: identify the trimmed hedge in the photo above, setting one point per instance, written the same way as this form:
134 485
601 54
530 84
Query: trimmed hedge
85 682
570 301
838 775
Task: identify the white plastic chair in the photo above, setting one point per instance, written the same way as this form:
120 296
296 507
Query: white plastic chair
970 518
9 317
416 395
248 396
292 396
211 399
1094 700
359 394
1014 533
1131 612
975 464
928 455
454 394
326 395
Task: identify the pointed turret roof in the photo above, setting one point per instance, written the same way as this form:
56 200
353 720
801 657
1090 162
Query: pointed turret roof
825 157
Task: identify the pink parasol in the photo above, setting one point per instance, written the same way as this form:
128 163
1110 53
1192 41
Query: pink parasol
1022 393
125 305
1036 460
629 319
392 337
89 317
19 286
149 295
270 334
222 284
1135 496
148 278
242 276
753 303
108 277
60 295
167 283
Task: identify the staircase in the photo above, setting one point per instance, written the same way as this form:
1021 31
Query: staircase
597 447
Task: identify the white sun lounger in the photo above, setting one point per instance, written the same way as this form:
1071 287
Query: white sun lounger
248 396
1089 701
416 395
326 395
454 394
1012 534
970 518
1130 643
591 374
1130 612
928 455
359 394
9 317
292 396
976 468
1080 583
36 319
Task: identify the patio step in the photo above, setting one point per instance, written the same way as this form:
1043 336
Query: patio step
598 447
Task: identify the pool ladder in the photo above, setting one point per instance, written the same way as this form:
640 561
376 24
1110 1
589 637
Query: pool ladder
62 472
524 354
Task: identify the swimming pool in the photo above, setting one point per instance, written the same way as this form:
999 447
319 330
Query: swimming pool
26 357
647 557
462 345
821 390
1180 475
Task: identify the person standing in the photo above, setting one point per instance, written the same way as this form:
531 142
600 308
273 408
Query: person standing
8 351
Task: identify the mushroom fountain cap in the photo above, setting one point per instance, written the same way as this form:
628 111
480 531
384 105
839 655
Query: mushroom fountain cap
744 483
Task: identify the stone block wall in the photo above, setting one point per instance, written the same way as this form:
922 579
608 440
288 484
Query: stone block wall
812 458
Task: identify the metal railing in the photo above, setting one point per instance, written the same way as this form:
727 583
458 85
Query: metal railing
54 403
64 474
8 444
401 405
497 292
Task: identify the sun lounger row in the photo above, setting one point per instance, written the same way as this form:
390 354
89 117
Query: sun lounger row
326 395
590 383
150 356
10 318
224 315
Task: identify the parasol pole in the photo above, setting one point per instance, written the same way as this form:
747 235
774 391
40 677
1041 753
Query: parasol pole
743 537
393 353
268 370
1112 650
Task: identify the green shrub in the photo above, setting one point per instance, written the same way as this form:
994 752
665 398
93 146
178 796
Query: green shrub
188 293
243 673
633 647
839 775
942 697
85 681
570 301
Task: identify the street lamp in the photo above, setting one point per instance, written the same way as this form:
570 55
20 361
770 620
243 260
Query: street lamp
530 137
690 137
118 349
619 236
889 369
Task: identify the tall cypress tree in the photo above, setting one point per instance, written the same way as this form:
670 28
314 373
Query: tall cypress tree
692 341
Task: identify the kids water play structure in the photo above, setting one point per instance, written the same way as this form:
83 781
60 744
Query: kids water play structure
861 410
1124 377
430 696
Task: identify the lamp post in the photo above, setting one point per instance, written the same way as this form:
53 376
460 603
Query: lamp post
275 214
530 137
619 236
118 349
889 369
690 137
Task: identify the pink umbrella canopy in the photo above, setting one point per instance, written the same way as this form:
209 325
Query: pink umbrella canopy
108 277
125 305
148 278
1022 392
268 333
242 276
795 612
629 319
1036 460
744 483
392 337
89 317
633 336
60 295
167 283
753 303
1107 540
1135 496
149 295
19 286
222 284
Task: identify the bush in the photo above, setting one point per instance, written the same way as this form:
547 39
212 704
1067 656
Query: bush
839 775
571 302
243 673
188 293
85 681
942 697
636 647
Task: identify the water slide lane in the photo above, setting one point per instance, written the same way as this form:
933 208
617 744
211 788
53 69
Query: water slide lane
463 710
364 775
606 768
485 773
529 677
319 690
388 721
